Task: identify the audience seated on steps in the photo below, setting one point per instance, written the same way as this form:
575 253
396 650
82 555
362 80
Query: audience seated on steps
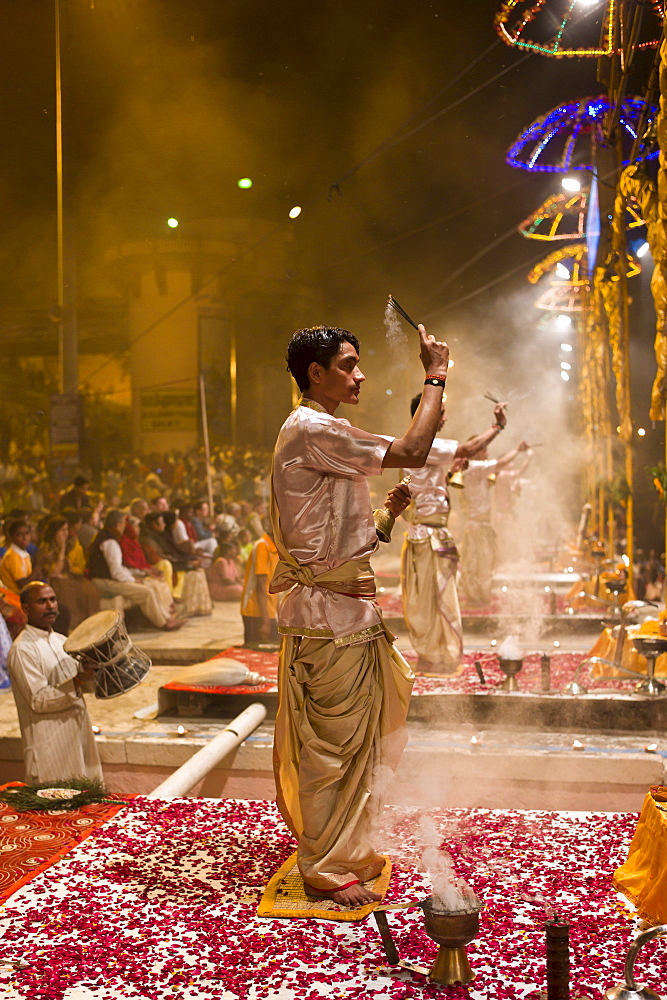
110 576
225 575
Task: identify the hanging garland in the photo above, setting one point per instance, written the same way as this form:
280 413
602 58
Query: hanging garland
66 793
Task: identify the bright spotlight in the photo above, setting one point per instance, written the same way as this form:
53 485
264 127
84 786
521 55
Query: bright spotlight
563 322
295 212
565 377
172 223
389 392
641 432
643 249
566 347
565 366
588 3
570 183
244 183
562 271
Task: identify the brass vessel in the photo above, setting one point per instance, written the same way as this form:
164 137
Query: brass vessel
510 668
452 931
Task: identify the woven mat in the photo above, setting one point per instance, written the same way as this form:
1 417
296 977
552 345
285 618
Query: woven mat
285 896
30 842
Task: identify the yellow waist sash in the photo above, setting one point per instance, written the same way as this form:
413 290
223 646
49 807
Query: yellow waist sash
353 578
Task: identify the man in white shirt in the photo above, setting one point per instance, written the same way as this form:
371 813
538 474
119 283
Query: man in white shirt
57 738
110 576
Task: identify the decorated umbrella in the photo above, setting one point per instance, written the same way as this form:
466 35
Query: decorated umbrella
564 138
563 217
569 281
583 28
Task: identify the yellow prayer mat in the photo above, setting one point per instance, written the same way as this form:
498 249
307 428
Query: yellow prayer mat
285 896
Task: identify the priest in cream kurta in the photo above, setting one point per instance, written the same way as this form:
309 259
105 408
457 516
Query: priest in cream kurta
343 687
56 734
479 551
429 558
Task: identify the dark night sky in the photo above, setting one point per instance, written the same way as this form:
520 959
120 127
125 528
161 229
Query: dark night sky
168 102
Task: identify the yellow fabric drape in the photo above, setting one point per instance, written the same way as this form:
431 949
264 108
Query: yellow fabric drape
610 295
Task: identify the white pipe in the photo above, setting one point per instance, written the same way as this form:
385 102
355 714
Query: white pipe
197 767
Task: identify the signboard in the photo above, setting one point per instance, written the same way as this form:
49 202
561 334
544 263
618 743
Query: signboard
65 426
169 410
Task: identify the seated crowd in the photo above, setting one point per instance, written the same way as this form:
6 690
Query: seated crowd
167 556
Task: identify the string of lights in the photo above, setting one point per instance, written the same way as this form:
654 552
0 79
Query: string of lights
560 140
514 17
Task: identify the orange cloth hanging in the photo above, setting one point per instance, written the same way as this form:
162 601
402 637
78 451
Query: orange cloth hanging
643 877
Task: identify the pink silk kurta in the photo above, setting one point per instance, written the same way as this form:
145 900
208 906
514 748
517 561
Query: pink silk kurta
343 688
320 469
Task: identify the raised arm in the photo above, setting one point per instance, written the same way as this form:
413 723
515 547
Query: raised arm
468 449
411 450
509 456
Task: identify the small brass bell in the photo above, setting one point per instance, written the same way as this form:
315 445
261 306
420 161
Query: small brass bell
456 480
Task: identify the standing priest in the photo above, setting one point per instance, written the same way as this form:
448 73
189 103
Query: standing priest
344 688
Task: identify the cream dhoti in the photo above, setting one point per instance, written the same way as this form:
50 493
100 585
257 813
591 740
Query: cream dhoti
340 732
429 562
478 561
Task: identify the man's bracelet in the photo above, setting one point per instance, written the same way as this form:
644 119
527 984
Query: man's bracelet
441 382
498 427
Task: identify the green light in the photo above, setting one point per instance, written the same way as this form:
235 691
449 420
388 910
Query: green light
245 182
172 223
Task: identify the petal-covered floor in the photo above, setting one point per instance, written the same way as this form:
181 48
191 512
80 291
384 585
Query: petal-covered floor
160 902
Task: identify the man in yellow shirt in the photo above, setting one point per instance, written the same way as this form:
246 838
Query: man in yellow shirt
258 606
16 564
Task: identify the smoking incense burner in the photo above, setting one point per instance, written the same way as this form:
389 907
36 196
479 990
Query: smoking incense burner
510 668
452 930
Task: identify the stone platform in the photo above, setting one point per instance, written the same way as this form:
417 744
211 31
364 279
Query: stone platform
520 760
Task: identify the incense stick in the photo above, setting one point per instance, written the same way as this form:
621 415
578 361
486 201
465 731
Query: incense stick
391 301
492 399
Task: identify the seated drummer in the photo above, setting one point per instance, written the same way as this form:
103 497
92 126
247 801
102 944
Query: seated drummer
57 738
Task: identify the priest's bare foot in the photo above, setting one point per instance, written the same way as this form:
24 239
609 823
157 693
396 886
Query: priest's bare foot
355 895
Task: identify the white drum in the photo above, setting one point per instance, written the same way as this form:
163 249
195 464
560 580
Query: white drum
102 642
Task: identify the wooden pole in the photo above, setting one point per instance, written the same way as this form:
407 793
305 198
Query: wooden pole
207 450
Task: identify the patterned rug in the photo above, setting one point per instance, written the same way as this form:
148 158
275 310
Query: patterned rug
161 902
31 842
